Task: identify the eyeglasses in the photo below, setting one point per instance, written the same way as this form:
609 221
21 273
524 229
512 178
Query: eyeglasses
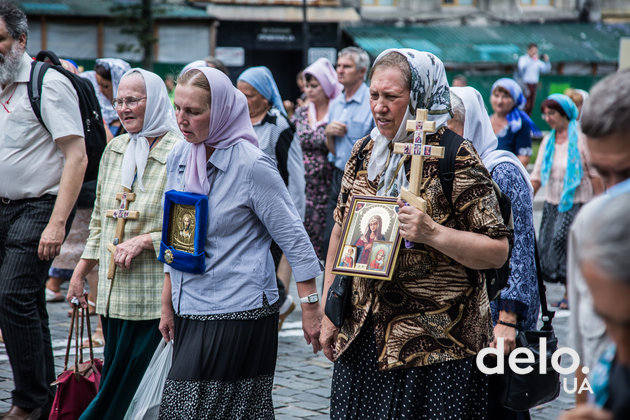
131 102
548 114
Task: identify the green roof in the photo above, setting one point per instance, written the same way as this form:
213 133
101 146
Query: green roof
501 44
102 8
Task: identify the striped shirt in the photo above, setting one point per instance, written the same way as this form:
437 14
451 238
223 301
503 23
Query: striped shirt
135 293
276 138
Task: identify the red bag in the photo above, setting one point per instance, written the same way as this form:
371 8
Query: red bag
78 386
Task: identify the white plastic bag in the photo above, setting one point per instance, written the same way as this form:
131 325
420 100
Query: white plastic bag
145 404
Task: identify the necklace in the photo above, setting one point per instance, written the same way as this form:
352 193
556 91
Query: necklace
4 104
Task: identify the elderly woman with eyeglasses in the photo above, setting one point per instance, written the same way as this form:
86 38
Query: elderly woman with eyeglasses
129 301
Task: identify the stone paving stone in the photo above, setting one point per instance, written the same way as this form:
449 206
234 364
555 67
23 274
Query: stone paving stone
285 391
316 399
296 412
282 400
320 417
285 417
315 406
322 392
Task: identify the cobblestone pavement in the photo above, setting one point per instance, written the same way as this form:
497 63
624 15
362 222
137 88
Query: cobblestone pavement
302 381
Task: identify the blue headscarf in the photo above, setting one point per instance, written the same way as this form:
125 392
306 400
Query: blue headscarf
262 80
517 115
573 175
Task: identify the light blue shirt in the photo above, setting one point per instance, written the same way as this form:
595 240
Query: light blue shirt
530 69
357 116
248 205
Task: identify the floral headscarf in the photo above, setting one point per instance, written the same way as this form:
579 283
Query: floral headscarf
516 116
574 172
429 90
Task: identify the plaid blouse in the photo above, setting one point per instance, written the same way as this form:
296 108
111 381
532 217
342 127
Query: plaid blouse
134 294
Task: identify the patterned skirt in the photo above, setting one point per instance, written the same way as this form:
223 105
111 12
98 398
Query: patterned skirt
74 244
449 390
223 366
552 241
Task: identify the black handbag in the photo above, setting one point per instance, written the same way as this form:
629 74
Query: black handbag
522 392
338 299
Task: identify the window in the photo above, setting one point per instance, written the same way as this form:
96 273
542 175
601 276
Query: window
378 2
69 40
458 2
536 2
197 38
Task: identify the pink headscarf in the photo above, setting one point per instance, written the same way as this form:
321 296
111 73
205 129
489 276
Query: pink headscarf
229 124
326 75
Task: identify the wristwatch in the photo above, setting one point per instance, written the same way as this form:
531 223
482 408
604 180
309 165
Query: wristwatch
312 298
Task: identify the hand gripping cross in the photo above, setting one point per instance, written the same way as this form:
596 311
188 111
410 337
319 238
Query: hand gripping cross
121 214
418 150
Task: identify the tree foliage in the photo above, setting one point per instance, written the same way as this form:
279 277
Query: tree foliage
137 18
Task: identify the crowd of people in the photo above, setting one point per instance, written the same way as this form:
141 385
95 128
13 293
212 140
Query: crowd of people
279 180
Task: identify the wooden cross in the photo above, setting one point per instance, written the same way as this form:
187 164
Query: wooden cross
121 214
418 151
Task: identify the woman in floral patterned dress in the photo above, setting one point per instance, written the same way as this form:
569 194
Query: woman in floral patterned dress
321 86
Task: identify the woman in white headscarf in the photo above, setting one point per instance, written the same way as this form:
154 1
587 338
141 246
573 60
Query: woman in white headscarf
129 303
517 306
407 347
105 79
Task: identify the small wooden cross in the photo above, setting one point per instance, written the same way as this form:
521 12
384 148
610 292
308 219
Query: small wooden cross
418 151
121 214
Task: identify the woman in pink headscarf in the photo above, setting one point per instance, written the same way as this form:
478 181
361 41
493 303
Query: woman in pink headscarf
224 321
320 86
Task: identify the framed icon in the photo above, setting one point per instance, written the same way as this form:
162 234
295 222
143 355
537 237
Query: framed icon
184 231
370 236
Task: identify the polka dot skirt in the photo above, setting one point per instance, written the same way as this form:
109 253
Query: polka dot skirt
450 390
206 400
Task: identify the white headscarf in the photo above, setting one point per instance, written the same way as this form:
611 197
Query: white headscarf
159 118
584 95
429 90
478 130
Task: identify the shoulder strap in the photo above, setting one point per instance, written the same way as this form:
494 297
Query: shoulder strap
361 155
34 87
359 165
446 166
547 315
